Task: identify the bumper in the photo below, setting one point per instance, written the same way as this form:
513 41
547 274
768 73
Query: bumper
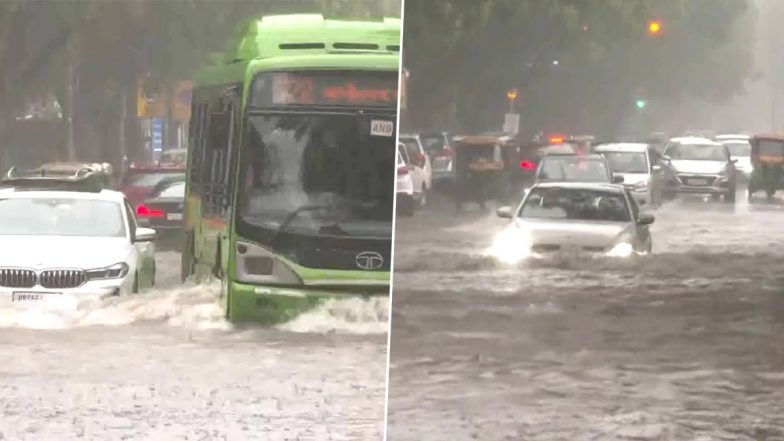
63 298
270 305
715 185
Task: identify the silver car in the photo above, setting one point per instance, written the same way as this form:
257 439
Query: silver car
703 166
598 219
641 171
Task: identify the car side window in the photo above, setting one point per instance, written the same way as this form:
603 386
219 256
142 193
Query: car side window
132 224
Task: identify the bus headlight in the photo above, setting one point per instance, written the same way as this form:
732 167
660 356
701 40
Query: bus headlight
255 264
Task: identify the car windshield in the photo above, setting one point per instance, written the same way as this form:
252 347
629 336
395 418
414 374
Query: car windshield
574 169
432 143
696 152
150 179
738 148
316 173
576 205
60 217
627 162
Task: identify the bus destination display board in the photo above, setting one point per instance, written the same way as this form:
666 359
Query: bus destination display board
326 88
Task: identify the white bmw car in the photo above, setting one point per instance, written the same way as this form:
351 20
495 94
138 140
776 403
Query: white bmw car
57 245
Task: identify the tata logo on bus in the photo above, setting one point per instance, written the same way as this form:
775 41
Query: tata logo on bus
369 260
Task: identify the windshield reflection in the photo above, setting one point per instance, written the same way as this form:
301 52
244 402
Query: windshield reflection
319 174
575 204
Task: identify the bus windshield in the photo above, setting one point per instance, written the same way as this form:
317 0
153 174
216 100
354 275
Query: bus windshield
319 174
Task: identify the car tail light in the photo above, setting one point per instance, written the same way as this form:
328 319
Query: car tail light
143 211
527 165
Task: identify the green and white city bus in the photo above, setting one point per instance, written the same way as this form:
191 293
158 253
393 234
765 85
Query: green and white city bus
291 165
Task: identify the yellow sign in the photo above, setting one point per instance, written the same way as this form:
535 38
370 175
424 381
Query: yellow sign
178 98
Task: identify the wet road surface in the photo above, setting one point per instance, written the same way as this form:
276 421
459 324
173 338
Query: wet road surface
687 344
165 366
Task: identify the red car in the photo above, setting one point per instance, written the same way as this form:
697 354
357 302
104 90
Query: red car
139 181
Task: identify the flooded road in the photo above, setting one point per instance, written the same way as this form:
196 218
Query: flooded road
687 344
165 366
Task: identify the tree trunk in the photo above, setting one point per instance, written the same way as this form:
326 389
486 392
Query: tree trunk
70 84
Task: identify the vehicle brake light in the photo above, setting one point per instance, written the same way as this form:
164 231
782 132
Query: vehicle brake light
527 165
143 211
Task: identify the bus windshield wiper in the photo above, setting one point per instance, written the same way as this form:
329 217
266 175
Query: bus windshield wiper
293 215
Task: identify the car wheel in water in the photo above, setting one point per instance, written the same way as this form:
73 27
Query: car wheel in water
423 196
730 196
405 207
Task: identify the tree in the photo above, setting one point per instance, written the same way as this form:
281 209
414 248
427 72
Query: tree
578 65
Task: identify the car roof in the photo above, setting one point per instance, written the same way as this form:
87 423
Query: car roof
732 137
103 195
622 147
599 186
694 140
588 156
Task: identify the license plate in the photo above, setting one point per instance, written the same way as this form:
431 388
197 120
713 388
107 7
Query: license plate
698 182
21 296
174 216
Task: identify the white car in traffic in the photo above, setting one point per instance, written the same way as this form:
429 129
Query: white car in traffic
638 164
574 218
740 150
405 185
57 246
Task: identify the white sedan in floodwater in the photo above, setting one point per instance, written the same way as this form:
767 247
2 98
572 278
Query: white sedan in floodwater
58 246
597 219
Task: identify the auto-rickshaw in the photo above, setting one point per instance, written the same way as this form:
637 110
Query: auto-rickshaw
482 168
767 161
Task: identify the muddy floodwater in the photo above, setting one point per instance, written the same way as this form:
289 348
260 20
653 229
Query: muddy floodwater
164 365
686 344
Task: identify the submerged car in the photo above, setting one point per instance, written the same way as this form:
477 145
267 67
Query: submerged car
57 245
639 165
574 218
405 186
569 167
140 180
739 147
703 166
163 209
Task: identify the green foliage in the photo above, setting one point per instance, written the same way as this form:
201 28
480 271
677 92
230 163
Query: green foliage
464 54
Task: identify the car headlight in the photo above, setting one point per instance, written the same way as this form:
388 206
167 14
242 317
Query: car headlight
116 271
623 249
511 246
